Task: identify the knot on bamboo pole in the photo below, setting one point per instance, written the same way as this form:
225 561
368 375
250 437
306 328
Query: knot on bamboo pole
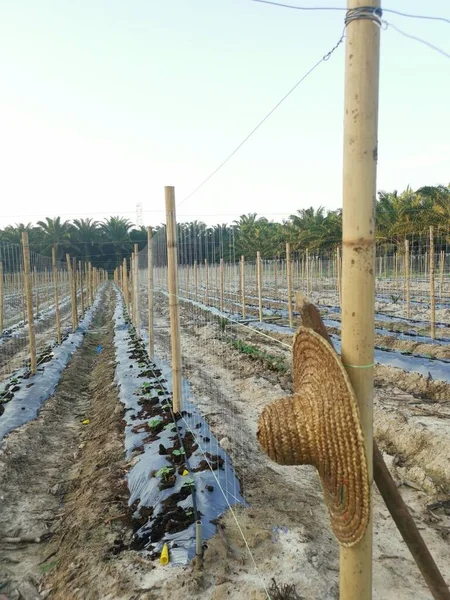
320 425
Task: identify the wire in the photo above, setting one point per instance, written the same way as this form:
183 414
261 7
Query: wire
340 8
269 114
417 39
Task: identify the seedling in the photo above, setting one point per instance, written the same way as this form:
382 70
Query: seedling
169 427
189 483
395 299
164 472
154 423
179 452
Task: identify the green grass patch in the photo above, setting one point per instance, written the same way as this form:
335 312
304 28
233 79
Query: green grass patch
274 363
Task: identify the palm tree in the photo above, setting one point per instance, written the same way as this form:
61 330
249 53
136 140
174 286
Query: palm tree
86 234
55 233
116 232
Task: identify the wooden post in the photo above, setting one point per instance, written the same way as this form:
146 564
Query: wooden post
289 284
74 283
36 286
358 237
195 281
125 284
80 267
29 296
221 284
136 290
72 300
91 283
275 277
432 295
307 271
259 284
407 281
441 271
1 297
151 333
55 293
243 285
172 259
206 282
339 275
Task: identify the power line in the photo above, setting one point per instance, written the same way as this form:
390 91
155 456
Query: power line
255 129
340 8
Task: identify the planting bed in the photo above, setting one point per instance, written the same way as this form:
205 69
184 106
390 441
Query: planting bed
180 474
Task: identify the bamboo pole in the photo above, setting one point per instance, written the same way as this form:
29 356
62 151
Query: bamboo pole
136 290
432 291
91 282
259 283
407 281
29 297
275 277
358 237
80 268
222 284
74 280
1 297
441 272
125 284
206 281
289 284
172 258
243 285
72 303
307 272
151 333
36 286
55 294
195 281
339 275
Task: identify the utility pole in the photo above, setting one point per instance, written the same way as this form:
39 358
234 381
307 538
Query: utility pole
363 22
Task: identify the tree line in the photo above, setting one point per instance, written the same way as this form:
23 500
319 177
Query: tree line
399 216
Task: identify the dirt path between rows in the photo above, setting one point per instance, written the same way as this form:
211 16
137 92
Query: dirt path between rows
63 479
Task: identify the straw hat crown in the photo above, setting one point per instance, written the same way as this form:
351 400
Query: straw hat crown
320 425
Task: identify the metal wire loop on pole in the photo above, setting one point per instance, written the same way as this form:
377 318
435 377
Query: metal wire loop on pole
368 13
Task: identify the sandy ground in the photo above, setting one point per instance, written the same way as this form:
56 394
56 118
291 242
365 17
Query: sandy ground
66 479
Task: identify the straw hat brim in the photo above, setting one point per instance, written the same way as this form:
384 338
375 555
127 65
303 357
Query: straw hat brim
320 425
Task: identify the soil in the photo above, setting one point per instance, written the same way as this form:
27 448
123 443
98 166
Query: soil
65 481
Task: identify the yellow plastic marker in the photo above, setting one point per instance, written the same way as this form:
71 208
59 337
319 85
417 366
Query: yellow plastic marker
85 422
164 558
185 472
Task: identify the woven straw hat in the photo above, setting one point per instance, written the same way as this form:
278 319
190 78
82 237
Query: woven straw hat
320 425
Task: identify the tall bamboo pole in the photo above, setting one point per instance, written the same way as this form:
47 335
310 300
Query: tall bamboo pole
125 283
206 281
1 297
432 291
151 333
172 259
136 290
36 286
307 271
74 283
407 281
441 271
72 299
358 285
80 268
195 281
259 283
55 294
243 285
339 275
289 284
29 296
222 284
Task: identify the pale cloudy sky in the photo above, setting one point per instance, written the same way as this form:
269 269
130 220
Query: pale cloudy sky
104 102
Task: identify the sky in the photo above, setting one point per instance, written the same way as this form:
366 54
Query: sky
105 102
